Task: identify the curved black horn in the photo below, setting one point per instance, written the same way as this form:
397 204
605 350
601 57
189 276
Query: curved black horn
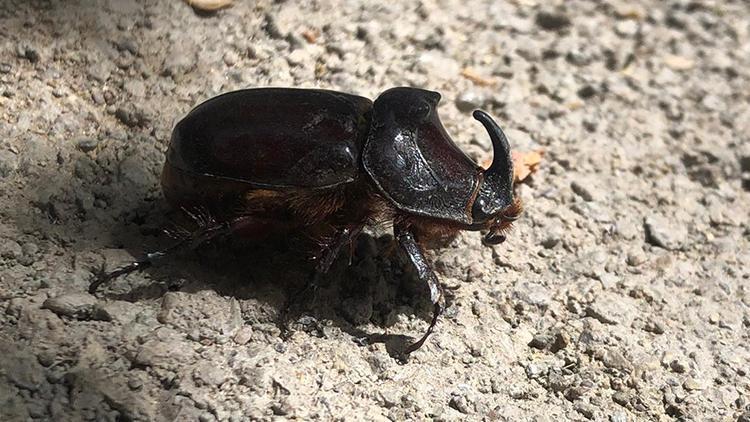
496 191
501 161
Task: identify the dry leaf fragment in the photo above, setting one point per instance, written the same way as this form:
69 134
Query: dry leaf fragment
524 163
310 35
473 76
629 11
209 5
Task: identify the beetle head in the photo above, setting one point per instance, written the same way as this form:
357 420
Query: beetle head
416 164
495 208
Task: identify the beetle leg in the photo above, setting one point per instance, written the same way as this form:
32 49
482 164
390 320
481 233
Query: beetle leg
344 235
416 255
190 242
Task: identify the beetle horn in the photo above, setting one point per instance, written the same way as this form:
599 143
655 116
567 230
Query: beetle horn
496 191
502 164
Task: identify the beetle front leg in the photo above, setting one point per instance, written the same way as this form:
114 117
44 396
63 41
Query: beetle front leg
412 248
343 236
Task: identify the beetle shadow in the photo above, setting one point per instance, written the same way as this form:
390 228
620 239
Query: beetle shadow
274 277
374 291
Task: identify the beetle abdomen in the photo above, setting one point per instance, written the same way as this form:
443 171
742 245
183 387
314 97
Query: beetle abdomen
274 137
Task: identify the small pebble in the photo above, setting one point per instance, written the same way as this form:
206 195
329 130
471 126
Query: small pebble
132 116
550 241
587 91
135 384
10 249
636 257
558 382
210 374
459 403
654 326
129 45
27 52
574 393
583 190
534 370
552 20
282 408
691 384
622 398
46 358
679 366
541 341
231 58
585 409
243 335
619 416
87 144
678 62
272 27
561 341
470 100
614 359
626 28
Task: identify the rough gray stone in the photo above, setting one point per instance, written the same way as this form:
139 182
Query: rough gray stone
536 370
210 374
459 403
180 59
8 163
167 353
618 416
10 249
608 308
586 410
665 233
243 335
626 28
586 190
75 305
87 144
612 358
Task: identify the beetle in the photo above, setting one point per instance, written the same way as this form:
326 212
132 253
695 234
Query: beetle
271 161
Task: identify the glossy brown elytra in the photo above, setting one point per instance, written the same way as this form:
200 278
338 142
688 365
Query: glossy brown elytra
269 161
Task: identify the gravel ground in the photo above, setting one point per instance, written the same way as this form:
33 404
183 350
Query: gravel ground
621 295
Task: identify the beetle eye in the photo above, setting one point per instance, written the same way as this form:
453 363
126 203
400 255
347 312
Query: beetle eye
420 110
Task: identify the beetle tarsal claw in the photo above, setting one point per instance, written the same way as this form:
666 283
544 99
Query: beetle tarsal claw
437 311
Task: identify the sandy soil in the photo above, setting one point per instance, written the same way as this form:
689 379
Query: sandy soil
621 295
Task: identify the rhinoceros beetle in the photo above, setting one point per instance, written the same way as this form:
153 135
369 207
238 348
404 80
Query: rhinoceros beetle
270 161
